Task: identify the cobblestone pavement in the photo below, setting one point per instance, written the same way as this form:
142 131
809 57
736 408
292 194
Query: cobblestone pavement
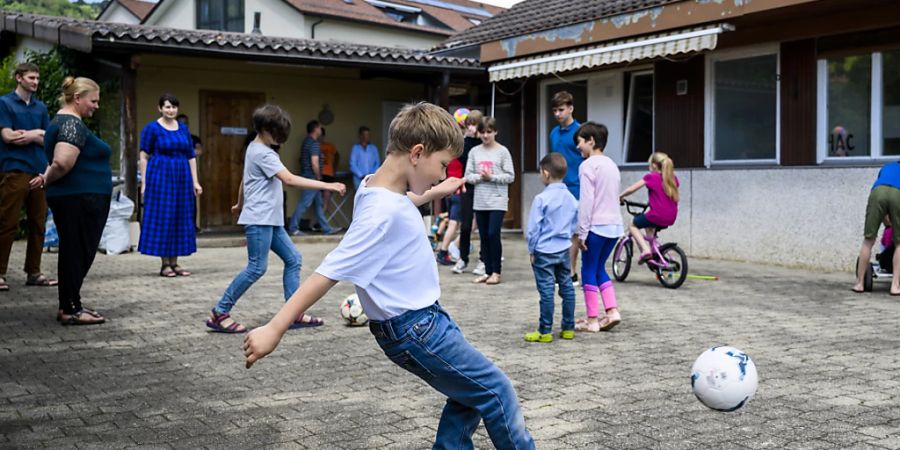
154 377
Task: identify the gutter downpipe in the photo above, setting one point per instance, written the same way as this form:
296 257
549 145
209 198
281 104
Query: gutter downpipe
312 29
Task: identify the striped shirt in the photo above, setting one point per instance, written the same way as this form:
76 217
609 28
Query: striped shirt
490 195
309 149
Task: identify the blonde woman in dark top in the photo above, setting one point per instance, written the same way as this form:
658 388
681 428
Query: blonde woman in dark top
79 185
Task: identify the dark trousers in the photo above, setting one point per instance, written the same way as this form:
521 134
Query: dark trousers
489 223
79 221
465 222
14 194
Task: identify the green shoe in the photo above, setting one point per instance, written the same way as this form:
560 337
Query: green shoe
536 336
567 334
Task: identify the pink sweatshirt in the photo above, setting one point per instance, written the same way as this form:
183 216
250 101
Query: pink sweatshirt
599 196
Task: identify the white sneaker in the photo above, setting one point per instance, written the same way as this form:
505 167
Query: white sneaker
479 269
460 266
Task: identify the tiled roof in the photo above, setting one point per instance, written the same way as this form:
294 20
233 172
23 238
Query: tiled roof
139 8
88 35
360 10
532 16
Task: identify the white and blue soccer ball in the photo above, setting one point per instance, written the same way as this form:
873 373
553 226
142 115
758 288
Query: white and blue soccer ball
724 378
352 312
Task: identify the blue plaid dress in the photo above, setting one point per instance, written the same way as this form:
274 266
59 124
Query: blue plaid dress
167 226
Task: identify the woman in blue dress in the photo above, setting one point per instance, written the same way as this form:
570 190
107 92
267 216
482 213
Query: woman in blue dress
168 186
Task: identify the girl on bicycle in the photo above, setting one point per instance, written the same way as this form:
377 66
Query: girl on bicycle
662 194
599 226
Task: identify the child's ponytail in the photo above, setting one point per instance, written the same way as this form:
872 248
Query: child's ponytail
667 169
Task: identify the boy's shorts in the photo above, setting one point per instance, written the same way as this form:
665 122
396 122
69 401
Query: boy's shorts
883 201
455 207
641 221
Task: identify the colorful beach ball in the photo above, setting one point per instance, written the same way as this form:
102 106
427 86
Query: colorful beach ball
461 114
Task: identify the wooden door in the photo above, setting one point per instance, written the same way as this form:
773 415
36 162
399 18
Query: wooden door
225 121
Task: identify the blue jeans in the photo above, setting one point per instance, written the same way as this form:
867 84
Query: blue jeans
427 343
310 197
261 238
550 268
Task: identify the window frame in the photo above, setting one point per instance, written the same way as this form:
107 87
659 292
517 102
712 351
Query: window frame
222 25
626 137
709 132
876 104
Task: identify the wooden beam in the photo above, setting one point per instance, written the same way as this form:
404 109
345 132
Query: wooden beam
129 131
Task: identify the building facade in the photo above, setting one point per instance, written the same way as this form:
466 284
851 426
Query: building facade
778 114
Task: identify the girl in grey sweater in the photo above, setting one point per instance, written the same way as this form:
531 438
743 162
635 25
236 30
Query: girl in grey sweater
490 169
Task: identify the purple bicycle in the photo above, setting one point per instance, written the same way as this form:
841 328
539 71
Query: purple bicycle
668 261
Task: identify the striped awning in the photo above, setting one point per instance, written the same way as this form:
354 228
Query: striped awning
646 47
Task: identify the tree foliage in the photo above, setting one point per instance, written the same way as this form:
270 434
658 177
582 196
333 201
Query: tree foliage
65 8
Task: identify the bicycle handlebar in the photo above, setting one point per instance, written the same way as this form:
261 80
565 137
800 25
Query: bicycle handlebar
629 205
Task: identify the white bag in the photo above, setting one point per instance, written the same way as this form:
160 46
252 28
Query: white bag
116 237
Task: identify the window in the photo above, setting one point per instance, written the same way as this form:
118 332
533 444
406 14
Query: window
859 103
849 113
743 112
222 15
639 117
890 116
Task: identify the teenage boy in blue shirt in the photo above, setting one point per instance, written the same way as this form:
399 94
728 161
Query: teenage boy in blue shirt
552 222
386 254
23 119
562 140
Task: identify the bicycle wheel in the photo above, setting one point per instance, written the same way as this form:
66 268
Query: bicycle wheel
675 273
621 264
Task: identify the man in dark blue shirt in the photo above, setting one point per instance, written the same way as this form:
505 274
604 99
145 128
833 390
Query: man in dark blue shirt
562 140
23 120
310 167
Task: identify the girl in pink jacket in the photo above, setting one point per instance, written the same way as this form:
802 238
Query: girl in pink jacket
599 226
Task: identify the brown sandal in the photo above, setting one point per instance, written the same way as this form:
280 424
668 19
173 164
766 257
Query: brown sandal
181 272
3 286
82 317
40 280
167 271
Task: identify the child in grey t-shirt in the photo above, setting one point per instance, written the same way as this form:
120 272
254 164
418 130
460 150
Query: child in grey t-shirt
490 169
260 201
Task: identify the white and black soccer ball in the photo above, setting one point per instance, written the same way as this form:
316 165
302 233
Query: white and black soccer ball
352 312
724 378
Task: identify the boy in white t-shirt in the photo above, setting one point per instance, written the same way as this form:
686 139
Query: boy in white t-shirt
386 254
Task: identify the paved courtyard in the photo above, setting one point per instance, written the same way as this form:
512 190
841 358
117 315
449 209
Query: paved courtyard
153 377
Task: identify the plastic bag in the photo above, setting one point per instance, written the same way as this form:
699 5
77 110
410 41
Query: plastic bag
116 237
51 237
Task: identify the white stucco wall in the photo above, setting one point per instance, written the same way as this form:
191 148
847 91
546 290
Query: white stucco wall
804 217
277 18
360 33
118 14
175 14
27 43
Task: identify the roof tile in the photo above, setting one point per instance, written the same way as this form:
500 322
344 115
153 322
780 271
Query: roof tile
131 36
531 16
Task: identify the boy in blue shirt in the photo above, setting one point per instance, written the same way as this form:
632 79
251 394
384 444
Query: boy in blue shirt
562 140
552 222
386 254
23 120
